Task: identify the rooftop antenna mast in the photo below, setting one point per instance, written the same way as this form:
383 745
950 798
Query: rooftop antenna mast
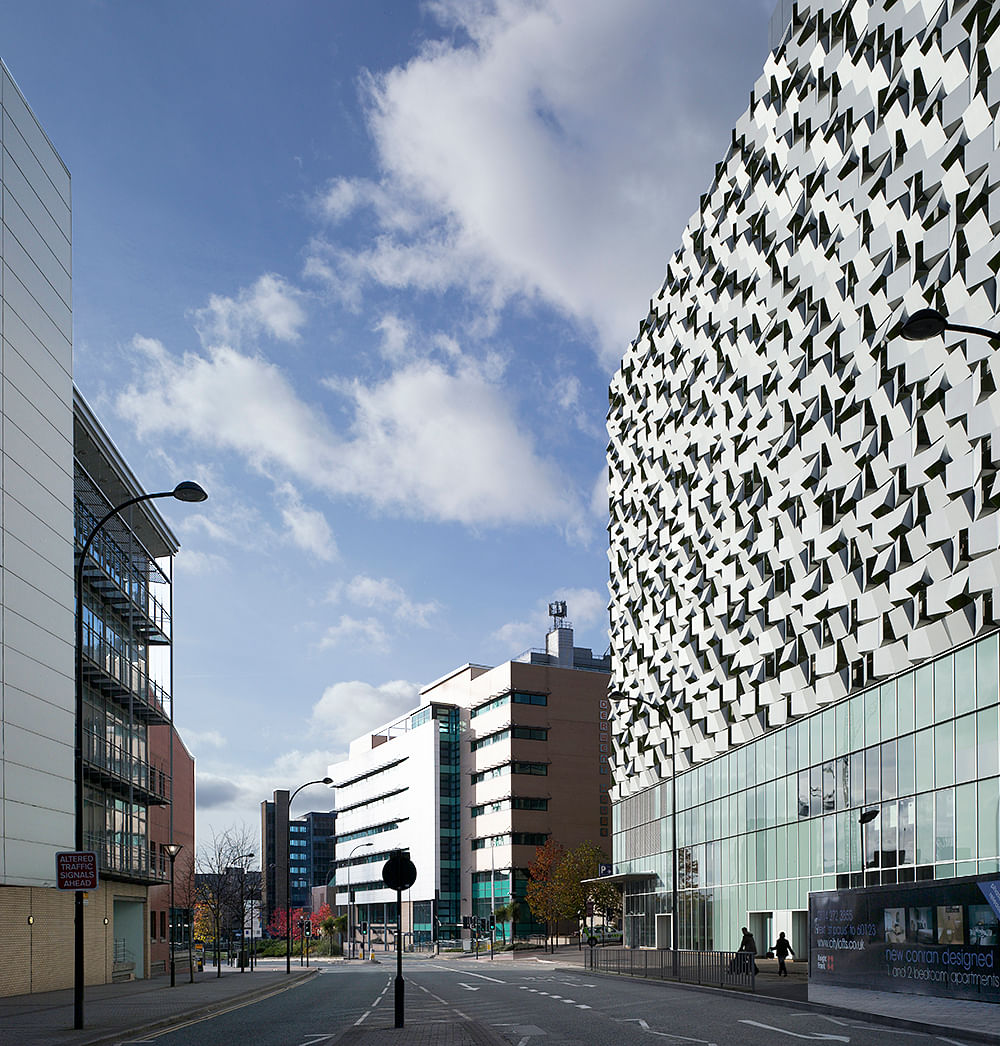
557 611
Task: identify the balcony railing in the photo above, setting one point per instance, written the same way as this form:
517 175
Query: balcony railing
116 766
118 858
117 675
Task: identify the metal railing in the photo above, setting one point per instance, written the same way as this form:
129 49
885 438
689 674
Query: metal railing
722 969
100 753
129 676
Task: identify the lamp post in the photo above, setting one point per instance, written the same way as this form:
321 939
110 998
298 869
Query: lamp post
172 849
864 816
185 491
929 323
288 872
350 900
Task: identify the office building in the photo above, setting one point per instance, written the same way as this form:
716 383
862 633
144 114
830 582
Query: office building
804 505
492 764
309 839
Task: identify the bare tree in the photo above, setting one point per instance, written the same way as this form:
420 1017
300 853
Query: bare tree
222 867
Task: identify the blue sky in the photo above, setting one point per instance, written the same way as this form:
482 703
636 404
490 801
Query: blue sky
363 270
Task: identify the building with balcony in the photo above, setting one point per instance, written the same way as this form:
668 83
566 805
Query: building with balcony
804 513
492 764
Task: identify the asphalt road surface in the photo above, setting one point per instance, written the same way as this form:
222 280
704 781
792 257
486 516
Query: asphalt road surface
528 1003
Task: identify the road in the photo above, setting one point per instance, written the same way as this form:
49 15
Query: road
528 1003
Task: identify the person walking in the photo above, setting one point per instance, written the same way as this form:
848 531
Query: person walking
782 949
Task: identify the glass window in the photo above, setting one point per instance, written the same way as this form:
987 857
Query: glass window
872 771
887 753
944 825
965 748
965 680
944 754
904 703
857 779
925 828
944 688
815 790
829 844
907 832
986 741
842 714
828 730
815 739
965 822
989 816
888 830
925 759
844 836
803 757
843 797
871 718
828 783
924 696
803 793
857 723
987 672
887 708
905 767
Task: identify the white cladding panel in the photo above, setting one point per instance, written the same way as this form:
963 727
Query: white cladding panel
36 502
802 502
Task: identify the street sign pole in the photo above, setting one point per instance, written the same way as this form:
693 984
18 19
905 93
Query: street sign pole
399 873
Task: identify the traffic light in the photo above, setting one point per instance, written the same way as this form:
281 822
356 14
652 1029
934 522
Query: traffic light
493 922
364 929
466 922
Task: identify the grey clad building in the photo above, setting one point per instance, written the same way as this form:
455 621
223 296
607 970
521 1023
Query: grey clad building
805 506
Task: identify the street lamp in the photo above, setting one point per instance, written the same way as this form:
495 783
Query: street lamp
350 899
929 323
288 872
185 491
172 850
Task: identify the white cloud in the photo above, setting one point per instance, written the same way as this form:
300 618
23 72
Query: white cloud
307 527
271 306
193 563
200 739
508 168
384 592
367 633
432 440
350 709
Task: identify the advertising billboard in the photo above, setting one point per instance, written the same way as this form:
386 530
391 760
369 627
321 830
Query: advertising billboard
927 938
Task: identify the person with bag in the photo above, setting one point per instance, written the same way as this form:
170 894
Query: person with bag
782 949
749 945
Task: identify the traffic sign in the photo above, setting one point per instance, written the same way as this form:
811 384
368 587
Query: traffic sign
399 872
76 870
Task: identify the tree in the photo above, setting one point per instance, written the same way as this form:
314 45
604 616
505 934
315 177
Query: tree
578 866
543 894
508 913
221 881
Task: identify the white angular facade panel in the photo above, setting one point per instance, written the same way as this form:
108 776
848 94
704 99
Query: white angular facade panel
36 500
802 502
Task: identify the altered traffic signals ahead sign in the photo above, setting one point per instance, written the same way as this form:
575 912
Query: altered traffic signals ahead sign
76 870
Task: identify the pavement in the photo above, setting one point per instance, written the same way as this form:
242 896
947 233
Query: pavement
130 1010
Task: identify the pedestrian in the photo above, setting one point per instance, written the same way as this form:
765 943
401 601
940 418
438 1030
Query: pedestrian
782 948
749 945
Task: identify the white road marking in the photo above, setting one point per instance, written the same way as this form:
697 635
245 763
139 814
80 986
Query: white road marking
314 1039
361 1018
955 1042
483 977
582 1006
468 987
571 1002
799 1035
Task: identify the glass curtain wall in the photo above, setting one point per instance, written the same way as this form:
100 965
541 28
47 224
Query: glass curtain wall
762 825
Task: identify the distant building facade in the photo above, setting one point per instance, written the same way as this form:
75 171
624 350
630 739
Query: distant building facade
804 511
307 842
493 763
